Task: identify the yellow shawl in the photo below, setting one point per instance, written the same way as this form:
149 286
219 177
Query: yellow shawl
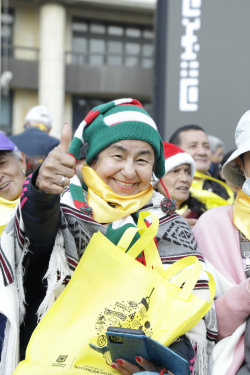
108 206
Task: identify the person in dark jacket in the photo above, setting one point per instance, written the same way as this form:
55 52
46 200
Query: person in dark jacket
35 140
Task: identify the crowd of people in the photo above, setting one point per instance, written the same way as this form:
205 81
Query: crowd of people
55 195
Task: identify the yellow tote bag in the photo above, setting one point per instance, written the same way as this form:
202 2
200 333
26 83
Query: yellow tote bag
110 288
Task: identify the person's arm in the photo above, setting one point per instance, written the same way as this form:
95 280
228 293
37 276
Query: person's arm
40 200
40 212
218 240
232 309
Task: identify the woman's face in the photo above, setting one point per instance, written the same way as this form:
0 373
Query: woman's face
178 182
246 163
126 166
11 176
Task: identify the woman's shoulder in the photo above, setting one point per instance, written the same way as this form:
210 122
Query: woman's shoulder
217 213
215 220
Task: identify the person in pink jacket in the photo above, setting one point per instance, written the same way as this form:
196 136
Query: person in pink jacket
223 235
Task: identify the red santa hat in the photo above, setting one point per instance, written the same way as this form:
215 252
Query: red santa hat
174 157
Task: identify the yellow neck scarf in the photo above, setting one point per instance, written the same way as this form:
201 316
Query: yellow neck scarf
209 198
6 208
40 126
100 195
182 209
241 213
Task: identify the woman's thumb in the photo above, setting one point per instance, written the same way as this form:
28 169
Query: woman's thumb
65 138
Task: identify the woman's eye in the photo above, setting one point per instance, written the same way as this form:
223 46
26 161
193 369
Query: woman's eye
142 161
118 156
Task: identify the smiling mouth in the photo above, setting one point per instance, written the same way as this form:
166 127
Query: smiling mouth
182 188
4 185
123 183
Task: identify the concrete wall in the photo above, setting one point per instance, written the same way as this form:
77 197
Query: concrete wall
23 100
26 29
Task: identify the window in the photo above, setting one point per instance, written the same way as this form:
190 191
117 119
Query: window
102 43
81 107
7 19
6 113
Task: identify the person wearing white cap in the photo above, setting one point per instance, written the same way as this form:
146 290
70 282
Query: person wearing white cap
179 173
35 140
223 235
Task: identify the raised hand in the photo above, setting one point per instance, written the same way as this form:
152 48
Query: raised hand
58 167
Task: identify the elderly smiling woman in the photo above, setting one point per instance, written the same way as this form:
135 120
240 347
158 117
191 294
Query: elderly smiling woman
124 148
12 175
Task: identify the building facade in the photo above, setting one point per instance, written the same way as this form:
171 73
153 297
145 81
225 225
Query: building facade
73 55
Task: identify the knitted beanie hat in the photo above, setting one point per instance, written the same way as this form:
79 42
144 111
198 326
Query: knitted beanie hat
109 123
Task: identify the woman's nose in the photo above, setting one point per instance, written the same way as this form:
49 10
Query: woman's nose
129 169
184 177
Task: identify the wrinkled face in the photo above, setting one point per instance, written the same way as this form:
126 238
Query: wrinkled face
126 166
178 182
195 143
11 176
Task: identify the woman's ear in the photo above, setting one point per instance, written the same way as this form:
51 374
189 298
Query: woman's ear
22 161
239 163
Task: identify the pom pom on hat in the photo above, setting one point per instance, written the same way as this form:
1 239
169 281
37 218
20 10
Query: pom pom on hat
168 205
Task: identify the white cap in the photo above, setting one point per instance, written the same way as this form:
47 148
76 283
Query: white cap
40 115
231 170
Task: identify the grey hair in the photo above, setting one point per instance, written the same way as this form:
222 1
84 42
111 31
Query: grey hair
215 143
16 154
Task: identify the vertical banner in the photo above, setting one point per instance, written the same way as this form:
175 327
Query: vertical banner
207 77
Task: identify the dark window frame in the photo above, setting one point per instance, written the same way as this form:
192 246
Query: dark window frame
107 37
7 128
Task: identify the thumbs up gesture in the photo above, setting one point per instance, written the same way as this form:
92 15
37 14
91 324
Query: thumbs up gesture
58 167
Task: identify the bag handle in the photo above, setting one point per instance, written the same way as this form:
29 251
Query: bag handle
151 252
194 274
127 237
145 243
147 236
190 278
179 265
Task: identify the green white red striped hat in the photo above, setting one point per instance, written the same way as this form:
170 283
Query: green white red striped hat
109 123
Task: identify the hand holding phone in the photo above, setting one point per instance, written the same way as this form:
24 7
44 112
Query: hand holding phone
124 343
